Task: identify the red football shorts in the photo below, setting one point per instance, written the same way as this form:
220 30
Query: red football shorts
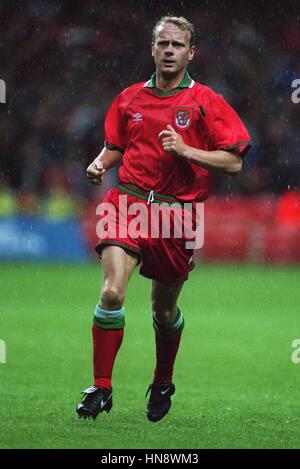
140 227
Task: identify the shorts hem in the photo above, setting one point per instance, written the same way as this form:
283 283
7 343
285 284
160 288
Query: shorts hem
174 282
151 277
111 242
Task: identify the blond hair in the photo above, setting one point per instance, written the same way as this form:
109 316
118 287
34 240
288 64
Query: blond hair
180 22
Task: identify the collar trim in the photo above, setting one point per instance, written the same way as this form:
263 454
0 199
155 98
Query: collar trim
187 82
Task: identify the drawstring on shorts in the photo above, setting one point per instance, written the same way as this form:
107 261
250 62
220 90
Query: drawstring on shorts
150 197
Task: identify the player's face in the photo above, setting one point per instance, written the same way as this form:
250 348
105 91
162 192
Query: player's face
171 50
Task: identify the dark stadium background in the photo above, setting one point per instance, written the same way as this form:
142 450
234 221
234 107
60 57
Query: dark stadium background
63 62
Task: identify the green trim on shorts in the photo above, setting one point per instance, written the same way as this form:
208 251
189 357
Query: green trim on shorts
136 191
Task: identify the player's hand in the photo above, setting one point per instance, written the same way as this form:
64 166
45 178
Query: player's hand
172 141
95 172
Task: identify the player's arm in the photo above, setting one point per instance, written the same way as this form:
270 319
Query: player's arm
105 160
217 160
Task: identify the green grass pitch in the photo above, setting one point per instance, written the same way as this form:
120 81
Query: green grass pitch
236 384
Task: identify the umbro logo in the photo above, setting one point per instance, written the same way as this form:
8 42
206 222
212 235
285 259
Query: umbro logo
137 117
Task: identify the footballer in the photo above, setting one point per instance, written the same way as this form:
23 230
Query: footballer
170 134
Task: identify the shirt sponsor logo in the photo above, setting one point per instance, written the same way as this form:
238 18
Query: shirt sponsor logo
137 117
183 118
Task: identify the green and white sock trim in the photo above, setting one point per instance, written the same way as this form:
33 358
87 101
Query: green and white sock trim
109 319
175 327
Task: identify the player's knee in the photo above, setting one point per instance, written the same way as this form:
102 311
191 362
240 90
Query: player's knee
163 315
111 298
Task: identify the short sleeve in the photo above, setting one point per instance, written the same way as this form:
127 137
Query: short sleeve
229 132
114 128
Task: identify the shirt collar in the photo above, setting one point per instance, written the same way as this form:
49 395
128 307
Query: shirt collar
185 83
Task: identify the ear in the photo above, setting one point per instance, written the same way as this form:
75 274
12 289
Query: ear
152 49
192 53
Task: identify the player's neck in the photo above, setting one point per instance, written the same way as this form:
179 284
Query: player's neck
164 83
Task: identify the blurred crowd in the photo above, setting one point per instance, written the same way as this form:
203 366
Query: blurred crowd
64 61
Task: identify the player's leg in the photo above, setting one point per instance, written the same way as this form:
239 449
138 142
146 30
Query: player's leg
168 324
108 323
108 328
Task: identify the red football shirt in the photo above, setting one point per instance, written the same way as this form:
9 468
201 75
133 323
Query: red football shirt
202 117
